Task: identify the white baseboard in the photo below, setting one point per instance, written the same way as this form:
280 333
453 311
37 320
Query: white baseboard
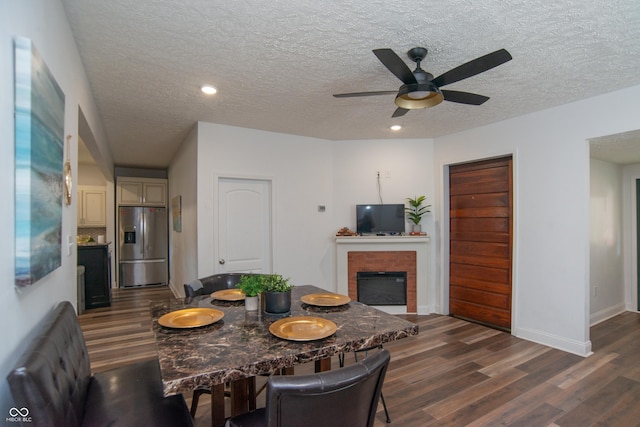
425 309
607 313
177 292
550 340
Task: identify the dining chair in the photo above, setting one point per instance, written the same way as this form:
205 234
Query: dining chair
366 352
345 397
210 284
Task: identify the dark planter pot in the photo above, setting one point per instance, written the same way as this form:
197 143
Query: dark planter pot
277 302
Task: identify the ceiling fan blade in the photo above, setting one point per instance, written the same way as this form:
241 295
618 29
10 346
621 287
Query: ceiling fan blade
473 67
464 97
396 65
380 92
399 112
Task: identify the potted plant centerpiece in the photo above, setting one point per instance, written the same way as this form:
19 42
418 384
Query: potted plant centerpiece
415 211
277 294
251 287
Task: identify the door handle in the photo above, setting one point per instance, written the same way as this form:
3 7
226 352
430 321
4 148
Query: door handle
221 261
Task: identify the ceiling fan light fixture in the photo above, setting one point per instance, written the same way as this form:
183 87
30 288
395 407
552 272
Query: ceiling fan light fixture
417 96
421 90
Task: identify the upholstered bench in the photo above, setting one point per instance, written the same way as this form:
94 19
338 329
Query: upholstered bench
53 381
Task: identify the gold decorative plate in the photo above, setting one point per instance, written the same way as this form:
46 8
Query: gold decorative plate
327 299
228 295
303 328
191 318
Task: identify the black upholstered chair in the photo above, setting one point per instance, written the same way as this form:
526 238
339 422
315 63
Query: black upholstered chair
210 284
345 397
355 355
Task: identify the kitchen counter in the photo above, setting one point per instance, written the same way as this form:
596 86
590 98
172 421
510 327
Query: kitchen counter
94 244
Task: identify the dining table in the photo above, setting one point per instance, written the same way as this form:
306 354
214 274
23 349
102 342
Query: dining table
236 344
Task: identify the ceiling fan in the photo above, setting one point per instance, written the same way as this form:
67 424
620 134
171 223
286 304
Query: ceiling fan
421 90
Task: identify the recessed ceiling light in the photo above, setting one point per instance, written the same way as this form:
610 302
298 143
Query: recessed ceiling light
396 127
209 90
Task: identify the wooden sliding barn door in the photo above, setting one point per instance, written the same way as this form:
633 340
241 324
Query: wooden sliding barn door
480 241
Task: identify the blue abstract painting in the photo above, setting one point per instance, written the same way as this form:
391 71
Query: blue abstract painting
39 120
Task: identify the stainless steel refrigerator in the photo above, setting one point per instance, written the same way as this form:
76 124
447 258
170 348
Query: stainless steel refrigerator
142 251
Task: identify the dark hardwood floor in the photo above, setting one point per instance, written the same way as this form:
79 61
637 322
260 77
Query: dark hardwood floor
454 373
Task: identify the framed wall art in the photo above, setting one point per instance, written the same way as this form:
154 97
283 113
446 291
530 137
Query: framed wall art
39 147
176 213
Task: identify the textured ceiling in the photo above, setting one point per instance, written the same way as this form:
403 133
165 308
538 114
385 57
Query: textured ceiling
276 63
622 148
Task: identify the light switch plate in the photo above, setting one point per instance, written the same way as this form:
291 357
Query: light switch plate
70 243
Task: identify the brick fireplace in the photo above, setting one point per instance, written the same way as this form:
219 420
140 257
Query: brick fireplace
386 261
410 254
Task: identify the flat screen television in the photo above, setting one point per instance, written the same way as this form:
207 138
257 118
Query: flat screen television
380 219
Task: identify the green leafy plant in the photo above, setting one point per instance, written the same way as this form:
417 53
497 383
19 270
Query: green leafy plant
276 283
251 285
415 210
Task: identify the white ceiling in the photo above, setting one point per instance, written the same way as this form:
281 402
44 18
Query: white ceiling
277 63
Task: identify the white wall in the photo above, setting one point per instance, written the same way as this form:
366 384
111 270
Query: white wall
302 174
551 208
90 175
408 171
183 246
44 22
630 174
407 166
307 172
605 236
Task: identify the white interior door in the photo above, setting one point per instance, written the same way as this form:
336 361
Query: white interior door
244 225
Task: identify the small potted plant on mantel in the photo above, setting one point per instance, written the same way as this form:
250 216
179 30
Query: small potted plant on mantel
415 211
277 294
251 287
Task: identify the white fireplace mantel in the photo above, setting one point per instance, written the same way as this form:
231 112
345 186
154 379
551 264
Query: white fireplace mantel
419 244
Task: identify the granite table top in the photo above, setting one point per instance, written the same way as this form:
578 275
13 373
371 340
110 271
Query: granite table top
241 346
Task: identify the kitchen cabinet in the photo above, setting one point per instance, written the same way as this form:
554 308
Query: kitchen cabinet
142 192
92 206
96 259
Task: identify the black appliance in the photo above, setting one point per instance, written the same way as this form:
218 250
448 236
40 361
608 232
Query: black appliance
380 219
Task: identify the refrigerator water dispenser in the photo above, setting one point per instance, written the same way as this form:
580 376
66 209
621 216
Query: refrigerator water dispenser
130 237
